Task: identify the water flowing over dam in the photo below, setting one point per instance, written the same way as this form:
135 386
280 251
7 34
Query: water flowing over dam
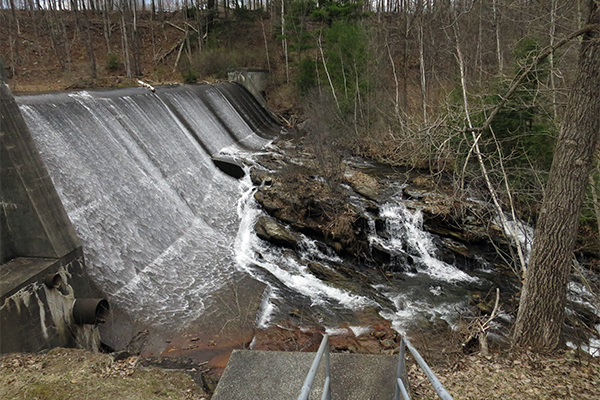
166 232
135 172
164 229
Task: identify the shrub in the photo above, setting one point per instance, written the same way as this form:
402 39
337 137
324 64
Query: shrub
189 76
112 62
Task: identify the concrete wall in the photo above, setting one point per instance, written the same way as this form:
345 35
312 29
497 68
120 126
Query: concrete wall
34 316
37 239
255 80
33 220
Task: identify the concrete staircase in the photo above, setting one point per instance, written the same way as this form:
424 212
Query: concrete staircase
275 375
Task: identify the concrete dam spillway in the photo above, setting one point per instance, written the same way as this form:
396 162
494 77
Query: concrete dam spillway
137 175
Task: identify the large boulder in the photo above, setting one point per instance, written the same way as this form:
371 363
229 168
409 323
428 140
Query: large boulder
272 231
311 206
363 184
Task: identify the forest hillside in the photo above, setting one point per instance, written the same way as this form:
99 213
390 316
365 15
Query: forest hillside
392 81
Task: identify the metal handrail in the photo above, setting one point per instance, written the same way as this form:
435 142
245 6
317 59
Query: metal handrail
312 372
402 385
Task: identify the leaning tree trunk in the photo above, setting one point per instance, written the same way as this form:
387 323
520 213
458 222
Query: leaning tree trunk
542 309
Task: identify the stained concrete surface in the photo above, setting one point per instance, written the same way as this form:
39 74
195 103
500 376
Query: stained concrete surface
19 272
274 375
34 221
227 323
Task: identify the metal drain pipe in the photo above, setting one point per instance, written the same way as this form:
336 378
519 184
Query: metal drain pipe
90 311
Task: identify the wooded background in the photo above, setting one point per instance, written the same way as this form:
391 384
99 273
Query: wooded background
474 91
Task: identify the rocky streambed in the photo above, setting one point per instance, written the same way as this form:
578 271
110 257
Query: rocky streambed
452 254
435 268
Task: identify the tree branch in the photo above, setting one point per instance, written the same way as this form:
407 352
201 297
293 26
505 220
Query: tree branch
524 72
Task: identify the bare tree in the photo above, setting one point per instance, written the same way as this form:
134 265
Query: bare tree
542 308
88 42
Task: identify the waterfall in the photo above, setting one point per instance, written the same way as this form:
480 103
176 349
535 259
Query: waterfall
432 289
134 171
160 231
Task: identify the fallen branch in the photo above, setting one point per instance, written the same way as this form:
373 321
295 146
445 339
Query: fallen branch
194 29
171 50
483 343
147 86
480 325
176 27
179 54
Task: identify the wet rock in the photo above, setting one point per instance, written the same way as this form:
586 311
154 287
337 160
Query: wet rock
298 197
363 184
287 336
312 207
380 255
324 273
372 208
456 247
381 228
346 278
393 260
388 344
260 177
267 203
367 345
414 194
270 230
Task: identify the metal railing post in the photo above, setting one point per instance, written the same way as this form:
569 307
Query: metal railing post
437 385
402 384
327 386
312 372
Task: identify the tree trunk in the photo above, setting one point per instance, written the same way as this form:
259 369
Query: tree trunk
284 42
422 71
125 44
551 59
542 309
106 25
498 49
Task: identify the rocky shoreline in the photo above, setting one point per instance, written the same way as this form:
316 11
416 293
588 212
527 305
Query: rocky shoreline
298 198
293 192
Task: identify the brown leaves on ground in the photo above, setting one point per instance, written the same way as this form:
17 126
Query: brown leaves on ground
80 374
526 376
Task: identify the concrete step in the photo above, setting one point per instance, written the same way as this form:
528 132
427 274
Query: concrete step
275 375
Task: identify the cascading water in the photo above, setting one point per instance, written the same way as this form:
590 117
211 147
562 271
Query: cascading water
157 219
134 172
433 289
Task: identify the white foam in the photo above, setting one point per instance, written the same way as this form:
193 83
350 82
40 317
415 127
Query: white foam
592 347
406 230
435 290
287 270
360 330
336 331
410 309
519 232
579 293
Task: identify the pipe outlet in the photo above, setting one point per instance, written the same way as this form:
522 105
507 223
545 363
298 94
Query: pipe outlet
53 281
90 311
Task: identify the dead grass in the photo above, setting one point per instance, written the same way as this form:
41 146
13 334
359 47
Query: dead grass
525 376
80 374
